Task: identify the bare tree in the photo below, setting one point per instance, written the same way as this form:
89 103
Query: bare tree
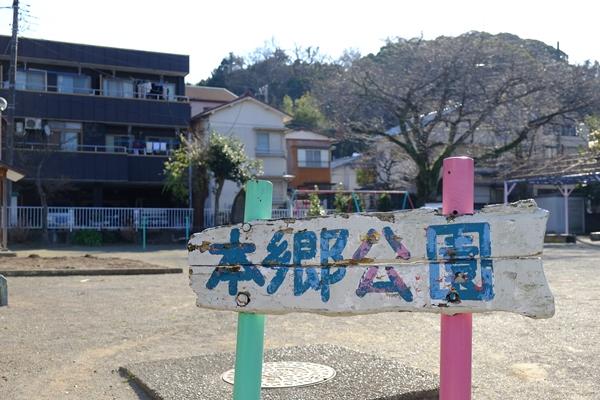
476 94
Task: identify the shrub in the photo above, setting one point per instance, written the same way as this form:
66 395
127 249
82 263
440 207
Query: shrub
314 208
87 238
19 235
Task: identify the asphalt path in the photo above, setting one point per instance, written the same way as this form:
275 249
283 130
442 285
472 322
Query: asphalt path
66 337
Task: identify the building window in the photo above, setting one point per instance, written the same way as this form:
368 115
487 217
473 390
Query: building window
117 87
69 140
550 152
262 142
568 130
118 143
71 83
313 158
169 90
156 91
65 135
31 80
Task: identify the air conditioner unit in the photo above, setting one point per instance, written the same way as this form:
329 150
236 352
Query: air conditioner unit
19 129
33 123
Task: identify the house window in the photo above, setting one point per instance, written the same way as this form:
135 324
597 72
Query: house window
31 80
71 83
262 142
313 158
550 152
568 130
117 87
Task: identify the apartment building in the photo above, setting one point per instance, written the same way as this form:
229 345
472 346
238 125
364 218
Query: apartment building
95 124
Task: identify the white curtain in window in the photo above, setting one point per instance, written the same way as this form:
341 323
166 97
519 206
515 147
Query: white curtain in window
31 80
117 87
73 84
36 80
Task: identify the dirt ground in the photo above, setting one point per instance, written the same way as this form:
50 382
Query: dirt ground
33 262
66 337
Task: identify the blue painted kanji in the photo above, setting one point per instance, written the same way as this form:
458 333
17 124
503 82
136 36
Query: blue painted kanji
452 278
234 254
305 242
335 251
278 259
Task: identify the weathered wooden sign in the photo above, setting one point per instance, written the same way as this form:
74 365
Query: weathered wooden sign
365 263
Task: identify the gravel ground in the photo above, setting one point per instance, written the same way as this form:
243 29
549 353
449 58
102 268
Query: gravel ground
34 262
65 338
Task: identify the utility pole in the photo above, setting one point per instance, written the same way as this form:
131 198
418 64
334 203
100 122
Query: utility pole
12 79
10 132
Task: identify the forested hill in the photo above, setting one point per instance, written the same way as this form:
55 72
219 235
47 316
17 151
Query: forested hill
274 72
301 71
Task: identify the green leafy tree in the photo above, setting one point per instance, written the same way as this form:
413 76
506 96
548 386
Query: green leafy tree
305 113
227 160
221 156
279 71
366 176
191 155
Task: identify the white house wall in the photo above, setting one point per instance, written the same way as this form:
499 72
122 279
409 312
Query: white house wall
243 120
274 166
345 174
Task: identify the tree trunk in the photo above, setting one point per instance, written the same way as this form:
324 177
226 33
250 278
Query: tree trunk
199 196
427 185
219 189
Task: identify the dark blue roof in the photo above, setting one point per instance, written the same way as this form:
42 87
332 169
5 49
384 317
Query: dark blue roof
39 49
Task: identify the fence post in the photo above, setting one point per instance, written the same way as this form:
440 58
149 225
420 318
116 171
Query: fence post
251 327
456 331
187 227
144 232
3 291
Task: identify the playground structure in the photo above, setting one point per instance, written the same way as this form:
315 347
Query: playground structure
361 200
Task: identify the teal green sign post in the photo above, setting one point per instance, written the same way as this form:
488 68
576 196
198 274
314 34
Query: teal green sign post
251 327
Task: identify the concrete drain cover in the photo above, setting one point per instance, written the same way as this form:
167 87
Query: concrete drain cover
287 374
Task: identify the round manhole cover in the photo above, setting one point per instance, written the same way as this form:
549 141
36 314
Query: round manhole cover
285 374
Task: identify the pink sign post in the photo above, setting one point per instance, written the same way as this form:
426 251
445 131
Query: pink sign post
456 330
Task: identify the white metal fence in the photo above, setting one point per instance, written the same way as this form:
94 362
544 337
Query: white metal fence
73 218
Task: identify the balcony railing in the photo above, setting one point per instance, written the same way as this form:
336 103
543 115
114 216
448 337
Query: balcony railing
313 164
264 151
85 91
143 151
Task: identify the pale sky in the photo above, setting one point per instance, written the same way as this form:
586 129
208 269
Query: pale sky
208 30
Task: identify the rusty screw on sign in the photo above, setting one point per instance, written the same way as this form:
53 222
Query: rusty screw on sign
456 330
